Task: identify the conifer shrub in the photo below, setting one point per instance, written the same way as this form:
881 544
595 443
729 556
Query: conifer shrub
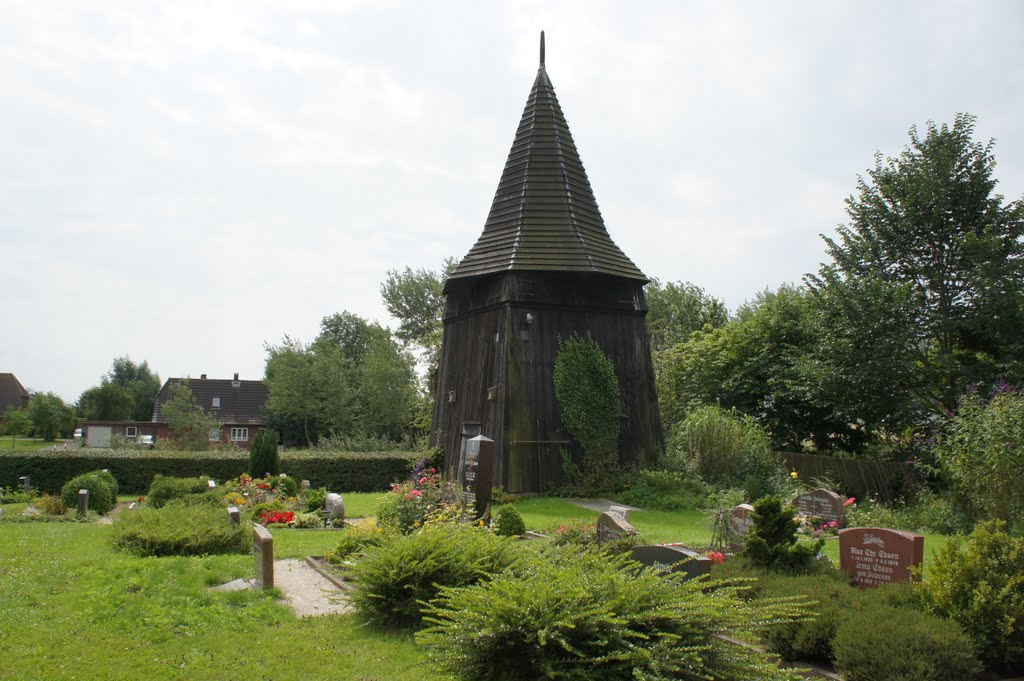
772 542
509 522
979 582
809 640
263 459
101 497
165 488
398 577
179 529
594 616
316 499
879 643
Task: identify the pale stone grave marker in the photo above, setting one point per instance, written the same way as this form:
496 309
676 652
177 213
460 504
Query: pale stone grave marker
822 503
611 526
670 559
875 556
742 519
620 511
234 515
334 507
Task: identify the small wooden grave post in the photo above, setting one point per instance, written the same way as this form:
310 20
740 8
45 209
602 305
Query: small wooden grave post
477 476
263 546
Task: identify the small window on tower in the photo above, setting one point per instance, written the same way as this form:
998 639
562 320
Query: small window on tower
216 402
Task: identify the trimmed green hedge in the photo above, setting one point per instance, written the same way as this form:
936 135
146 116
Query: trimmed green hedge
135 470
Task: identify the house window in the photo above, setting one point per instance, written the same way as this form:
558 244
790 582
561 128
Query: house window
216 403
239 434
214 434
130 431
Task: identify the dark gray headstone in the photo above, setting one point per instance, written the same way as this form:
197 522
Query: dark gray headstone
83 501
234 515
822 503
26 483
611 526
671 559
477 474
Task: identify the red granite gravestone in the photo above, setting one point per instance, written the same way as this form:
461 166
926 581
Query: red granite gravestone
875 556
822 503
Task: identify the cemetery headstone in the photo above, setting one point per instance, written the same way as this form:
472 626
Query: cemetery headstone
304 487
334 507
874 556
263 548
83 501
477 474
620 511
212 484
742 519
822 503
26 483
670 559
611 526
234 515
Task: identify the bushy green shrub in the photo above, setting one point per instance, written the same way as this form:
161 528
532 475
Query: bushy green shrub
101 498
284 484
178 529
809 640
979 582
658 490
982 451
928 512
409 505
508 522
316 499
895 644
725 449
108 478
591 616
263 459
134 470
355 539
164 488
772 542
406 571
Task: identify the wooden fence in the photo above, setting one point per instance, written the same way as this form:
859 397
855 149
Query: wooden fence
886 480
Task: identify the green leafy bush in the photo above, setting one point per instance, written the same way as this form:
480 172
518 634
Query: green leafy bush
408 505
587 391
179 529
808 640
135 470
406 571
107 477
772 542
316 499
284 484
592 616
726 449
928 512
263 459
982 451
354 540
163 489
509 522
876 643
656 490
101 497
979 582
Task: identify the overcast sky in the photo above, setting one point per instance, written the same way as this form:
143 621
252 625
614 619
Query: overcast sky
184 182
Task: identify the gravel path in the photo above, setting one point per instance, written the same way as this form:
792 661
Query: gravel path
307 591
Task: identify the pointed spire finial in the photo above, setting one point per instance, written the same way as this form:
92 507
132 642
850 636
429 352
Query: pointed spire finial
542 49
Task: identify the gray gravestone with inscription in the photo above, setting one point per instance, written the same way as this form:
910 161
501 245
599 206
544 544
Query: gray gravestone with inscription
822 503
670 559
742 519
612 526
875 556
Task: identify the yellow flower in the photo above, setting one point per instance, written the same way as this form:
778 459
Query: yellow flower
794 475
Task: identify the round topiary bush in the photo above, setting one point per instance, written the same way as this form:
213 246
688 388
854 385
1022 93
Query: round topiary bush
508 522
101 498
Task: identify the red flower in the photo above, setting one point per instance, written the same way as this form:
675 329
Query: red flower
141 499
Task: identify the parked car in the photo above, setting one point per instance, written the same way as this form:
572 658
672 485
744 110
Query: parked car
147 441
78 434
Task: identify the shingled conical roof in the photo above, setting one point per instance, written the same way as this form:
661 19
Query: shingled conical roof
544 216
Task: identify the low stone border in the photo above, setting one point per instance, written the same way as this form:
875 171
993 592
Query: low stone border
319 564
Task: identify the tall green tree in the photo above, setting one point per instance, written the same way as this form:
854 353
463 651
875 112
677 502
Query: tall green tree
190 426
677 309
929 220
127 391
106 402
50 416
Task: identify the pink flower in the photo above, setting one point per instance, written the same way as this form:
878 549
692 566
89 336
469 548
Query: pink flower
850 501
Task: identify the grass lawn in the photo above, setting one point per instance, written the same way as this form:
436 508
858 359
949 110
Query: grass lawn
74 608
7 442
